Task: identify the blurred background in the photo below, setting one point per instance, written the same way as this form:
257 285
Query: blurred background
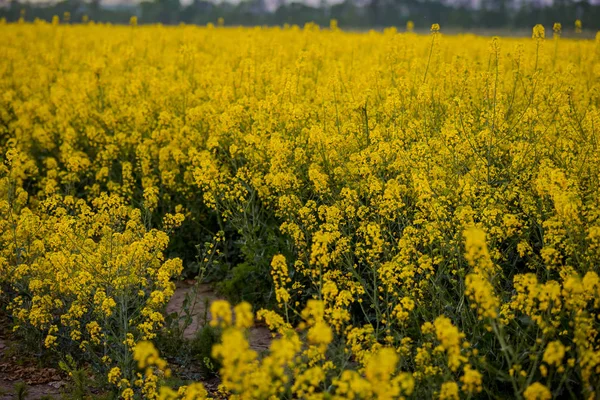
507 17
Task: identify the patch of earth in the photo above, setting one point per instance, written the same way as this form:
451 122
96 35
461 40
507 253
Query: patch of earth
259 336
41 382
44 383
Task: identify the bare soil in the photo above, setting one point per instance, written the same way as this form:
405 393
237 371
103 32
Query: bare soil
41 382
44 383
259 336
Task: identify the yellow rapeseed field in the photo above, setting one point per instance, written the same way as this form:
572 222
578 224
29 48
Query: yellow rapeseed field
419 215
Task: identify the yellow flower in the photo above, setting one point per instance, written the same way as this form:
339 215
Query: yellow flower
127 394
381 365
554 353
320 334
114 375
449 391
244 318
481 292
477 253
538 32
557 28
221 313
50 341
279 272
360 162
450 338
108 305
195 391
537 391
146 355
471 380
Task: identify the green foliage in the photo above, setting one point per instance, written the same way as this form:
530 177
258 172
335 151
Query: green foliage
21 390
201 347
80 381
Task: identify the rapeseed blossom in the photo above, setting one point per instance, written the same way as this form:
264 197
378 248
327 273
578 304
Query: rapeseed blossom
423 223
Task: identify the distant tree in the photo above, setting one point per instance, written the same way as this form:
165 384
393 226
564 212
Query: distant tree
494 13
363 14
163 11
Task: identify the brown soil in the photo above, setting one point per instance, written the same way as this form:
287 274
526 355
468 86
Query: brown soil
259 336
41 382
49 383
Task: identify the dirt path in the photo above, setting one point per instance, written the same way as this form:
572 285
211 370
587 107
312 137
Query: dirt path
40 382
48 383
259 336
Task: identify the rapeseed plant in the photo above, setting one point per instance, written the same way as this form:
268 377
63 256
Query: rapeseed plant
418 215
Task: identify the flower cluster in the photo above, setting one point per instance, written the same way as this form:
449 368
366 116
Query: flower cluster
420 212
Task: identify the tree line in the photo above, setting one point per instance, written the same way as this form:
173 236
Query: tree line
350 14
